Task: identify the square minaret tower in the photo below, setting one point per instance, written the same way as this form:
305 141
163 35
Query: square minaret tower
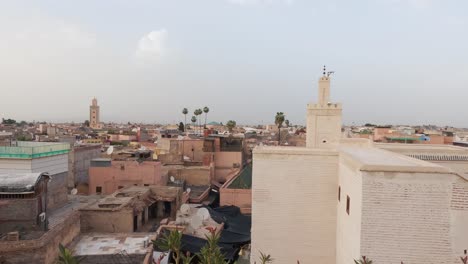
323 117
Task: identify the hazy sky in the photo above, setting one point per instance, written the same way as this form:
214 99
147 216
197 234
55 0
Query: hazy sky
396 61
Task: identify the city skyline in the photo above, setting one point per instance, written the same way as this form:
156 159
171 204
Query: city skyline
401 63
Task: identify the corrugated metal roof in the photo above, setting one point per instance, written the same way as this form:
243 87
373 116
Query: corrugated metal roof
20 182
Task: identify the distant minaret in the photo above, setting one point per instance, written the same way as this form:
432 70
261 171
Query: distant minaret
94 114
324 117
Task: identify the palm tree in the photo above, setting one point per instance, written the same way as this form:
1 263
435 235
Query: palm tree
287 123
194 119
230 125
279 119
198 112
66 256
206 110
196 115
185 112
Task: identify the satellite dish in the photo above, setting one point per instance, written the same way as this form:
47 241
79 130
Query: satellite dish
188 190
196 222
185 209
110 150
74 191
42 217
203 213
172 179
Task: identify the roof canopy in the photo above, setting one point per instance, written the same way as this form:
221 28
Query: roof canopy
20 182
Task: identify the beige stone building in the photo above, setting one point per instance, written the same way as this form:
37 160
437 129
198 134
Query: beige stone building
339 199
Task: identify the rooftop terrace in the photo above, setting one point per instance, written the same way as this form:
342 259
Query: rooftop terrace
31 150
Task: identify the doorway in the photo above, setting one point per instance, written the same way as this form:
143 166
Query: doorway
135 223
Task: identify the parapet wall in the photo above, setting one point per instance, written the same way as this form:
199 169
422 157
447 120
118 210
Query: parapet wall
44 249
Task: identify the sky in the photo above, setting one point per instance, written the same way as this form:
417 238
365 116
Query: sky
395 61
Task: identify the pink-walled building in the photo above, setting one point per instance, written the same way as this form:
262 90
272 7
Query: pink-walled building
106 176
238 190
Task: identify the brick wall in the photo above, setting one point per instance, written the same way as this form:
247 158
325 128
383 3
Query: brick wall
406 217
459 217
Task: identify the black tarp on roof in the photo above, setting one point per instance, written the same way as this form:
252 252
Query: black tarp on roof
195 244
236 225
235 234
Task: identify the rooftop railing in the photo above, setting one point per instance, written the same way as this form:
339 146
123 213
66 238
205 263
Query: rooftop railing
31 150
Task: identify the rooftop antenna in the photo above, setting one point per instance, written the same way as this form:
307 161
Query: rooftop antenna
325 73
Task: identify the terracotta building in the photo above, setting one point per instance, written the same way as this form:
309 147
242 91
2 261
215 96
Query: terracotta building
106 176
130 208
238 190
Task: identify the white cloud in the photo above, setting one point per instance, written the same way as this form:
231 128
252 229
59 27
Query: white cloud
153 44
256 2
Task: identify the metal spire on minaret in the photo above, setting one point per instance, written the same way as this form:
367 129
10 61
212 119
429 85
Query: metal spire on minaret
324 70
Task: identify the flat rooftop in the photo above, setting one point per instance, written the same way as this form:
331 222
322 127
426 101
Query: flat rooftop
294 150
111 244
117 200
434 147
431 153
375 159
31 150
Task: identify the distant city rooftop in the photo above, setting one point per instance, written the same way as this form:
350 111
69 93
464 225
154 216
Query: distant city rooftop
31 150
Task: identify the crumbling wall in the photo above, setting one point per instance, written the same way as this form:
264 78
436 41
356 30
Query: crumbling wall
44 249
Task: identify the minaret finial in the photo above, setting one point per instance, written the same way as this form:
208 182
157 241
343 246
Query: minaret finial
324 70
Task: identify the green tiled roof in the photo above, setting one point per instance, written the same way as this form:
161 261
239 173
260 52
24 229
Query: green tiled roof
244 180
